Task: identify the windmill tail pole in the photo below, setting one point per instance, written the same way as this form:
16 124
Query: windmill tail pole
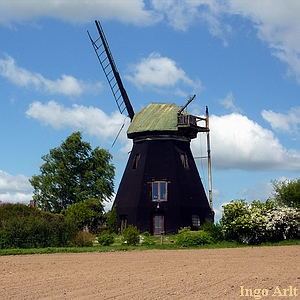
209 162
184 106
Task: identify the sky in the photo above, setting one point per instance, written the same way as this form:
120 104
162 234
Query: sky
241 58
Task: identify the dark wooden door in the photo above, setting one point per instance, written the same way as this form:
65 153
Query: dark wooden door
158 224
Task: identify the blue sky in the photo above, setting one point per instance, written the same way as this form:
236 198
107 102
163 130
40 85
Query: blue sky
241 58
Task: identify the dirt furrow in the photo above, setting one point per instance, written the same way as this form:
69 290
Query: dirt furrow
178 274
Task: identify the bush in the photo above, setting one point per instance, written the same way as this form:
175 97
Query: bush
148 243
215 230
105 239
282 223
188 238
259 222
83 239
26 227
146 233
131 235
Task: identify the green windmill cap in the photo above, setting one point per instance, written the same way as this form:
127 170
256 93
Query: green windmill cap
155 117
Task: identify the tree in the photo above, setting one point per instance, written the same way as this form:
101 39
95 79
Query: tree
88 214
287 192
112 220
73 172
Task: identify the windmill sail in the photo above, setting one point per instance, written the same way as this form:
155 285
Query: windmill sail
110 70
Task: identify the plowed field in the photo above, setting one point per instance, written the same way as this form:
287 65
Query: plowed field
239 273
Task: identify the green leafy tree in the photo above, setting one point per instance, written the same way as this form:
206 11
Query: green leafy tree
287 192
87 214
72 173
112 220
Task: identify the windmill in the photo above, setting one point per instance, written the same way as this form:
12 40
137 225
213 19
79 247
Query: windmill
161 190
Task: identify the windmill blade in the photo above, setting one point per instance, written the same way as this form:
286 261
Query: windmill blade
110 70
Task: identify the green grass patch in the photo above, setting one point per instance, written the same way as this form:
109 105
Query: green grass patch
169 243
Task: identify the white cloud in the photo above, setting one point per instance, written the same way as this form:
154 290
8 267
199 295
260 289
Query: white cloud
133 11
67 85
90 120
283 122
240 143
16 197
182 13
14 188
228 103
17 183
157 71
277 23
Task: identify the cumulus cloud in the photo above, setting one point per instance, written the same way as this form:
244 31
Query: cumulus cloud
67 85
16 197
160 72
133 11
90 120
17 183
14 188
240 143
288 122
236 141
277 22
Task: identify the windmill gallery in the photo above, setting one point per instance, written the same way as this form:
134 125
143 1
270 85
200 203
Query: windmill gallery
161 190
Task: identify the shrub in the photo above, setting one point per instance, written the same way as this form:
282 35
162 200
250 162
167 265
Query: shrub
83 239
259 222
26 227
148 243
283 223
188 238
146 233
215 230
131 235
106 239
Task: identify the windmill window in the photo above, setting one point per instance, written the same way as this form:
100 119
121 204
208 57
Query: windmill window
136 161
195 221
159 191
184 160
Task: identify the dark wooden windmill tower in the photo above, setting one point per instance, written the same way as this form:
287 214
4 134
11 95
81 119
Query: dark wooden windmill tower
161 190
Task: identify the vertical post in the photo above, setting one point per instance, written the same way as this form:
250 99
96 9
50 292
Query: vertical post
162 237
209 162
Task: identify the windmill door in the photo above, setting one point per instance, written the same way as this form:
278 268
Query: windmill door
158 224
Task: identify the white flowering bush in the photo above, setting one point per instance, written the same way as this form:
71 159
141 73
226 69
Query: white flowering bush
259 222
282 223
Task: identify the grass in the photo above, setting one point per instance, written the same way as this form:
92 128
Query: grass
148 243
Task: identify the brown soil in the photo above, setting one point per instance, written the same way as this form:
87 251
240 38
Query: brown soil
157 274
